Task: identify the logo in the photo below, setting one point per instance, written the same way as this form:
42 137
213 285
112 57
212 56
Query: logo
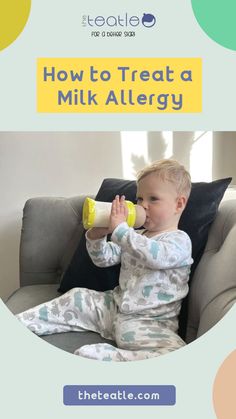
124 20
148 20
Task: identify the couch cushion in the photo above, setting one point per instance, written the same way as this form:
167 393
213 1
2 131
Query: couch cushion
196 220
73 340
213 289
32 295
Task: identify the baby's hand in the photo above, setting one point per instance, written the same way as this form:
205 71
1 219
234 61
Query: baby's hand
119 212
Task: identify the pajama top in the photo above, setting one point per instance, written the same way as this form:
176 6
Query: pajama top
154 271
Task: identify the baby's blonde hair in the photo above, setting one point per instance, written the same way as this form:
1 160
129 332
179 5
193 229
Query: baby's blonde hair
171 171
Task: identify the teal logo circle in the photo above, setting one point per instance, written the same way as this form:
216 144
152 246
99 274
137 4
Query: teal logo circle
217 18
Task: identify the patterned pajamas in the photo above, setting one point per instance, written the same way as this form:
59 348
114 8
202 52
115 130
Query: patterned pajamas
140 315
81 309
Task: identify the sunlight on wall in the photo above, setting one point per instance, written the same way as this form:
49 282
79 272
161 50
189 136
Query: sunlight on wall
134 149
136 153
201 157
168 137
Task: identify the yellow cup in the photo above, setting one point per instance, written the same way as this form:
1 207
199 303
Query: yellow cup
97 214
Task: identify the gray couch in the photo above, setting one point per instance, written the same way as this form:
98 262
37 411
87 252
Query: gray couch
50 233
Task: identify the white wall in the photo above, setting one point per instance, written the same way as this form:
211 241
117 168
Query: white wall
70 163
47 164
224 155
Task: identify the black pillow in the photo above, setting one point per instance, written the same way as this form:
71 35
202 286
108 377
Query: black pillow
196 219
81 271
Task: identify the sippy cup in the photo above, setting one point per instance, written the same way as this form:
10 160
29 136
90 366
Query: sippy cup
97 214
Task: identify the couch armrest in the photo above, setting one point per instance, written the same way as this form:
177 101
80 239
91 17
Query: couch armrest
213 287
51 229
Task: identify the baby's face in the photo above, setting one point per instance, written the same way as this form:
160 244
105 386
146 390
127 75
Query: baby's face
160 200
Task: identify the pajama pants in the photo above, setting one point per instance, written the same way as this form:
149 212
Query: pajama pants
137 336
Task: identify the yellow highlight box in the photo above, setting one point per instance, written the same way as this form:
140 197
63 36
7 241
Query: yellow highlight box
118 85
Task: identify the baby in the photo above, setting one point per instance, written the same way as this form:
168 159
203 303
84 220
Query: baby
141 314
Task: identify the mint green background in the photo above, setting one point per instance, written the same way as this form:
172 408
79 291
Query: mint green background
218 19
34 372
54 30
